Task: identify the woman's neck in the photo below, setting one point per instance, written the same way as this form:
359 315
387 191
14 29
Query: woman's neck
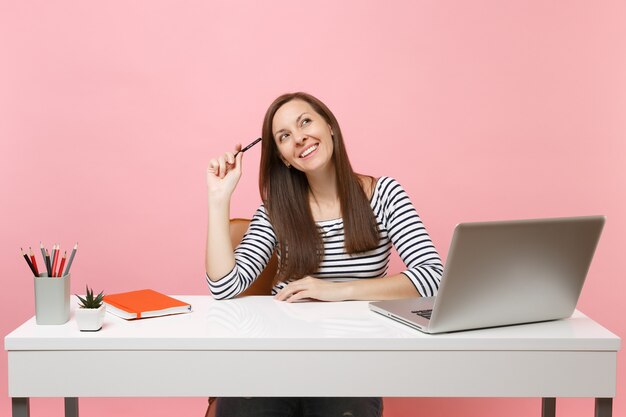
323 185
324 198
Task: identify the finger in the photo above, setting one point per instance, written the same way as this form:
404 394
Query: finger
282 295
230 157
238 163
222 166
287 291
213 166
299 296
297 286
279 295
237 156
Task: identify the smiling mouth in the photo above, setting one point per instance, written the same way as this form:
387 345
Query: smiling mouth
309 151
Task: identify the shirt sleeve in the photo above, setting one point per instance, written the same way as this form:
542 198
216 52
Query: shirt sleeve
411 240
251 257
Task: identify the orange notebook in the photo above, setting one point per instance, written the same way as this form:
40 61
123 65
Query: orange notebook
143 303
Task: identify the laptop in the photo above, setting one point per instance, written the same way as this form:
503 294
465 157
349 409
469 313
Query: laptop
504 273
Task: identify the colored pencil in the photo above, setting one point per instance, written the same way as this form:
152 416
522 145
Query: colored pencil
62 263
34 261
43 255
30 265
69 263
48 265
55 260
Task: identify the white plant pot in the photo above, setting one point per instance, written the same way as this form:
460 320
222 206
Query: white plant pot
90 319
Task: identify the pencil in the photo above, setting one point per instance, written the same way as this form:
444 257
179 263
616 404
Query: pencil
247 147
69 263
54 246
32 258
48 266
43 255
30 265
55 258
62 263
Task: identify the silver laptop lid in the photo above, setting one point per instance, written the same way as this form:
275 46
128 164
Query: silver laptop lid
509 272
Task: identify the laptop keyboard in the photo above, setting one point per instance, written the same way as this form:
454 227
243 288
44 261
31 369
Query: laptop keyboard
424 313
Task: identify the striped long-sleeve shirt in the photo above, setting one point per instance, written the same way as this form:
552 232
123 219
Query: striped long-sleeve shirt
398 224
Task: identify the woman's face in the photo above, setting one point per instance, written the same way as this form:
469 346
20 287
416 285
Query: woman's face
302 136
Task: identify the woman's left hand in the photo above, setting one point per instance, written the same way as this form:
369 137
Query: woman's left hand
309 287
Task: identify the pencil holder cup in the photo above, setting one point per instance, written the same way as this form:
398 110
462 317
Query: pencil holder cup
52 299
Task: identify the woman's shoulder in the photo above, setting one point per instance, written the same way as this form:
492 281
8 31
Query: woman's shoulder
378 185
368 183
386 180
387 191
261 213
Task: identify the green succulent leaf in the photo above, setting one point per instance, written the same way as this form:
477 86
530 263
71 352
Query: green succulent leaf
89 301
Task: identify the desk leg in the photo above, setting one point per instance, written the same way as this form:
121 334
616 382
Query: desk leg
21 407
604 407
548 407
71 407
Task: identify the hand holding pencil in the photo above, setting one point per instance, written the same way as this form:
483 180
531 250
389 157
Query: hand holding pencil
224 171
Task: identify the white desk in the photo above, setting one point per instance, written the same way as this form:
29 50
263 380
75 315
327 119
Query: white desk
232 348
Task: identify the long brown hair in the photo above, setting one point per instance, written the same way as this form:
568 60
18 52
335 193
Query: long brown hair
285 193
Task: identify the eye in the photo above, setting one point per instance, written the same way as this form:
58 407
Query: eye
283 137
305 121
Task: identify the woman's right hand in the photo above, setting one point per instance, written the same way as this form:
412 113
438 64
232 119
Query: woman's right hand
223 174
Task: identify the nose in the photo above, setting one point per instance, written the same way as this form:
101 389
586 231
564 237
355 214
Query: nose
300 138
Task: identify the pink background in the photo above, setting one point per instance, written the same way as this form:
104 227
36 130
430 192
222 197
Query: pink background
483 110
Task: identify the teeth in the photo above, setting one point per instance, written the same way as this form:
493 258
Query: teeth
308 151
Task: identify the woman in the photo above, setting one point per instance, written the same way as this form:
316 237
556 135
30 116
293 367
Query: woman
332 229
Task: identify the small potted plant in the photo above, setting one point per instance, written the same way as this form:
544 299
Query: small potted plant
90 313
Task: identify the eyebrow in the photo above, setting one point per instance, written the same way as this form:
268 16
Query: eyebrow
297 121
